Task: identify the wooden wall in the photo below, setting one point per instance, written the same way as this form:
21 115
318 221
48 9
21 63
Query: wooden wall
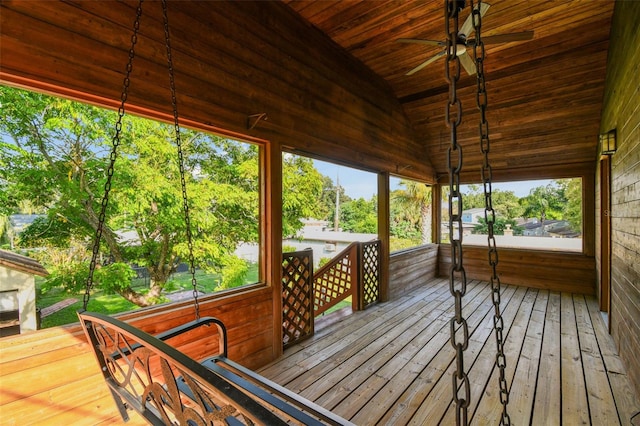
557 271
411 268
232 60
621 110
49 375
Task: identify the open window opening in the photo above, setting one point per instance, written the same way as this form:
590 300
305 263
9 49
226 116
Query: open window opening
326 206
411 212
54 160
540 214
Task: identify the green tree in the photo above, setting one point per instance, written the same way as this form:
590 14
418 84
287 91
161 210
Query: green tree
57 159
404 220
360 216
573 207
506 204
302 187
544 202
498 227
417 197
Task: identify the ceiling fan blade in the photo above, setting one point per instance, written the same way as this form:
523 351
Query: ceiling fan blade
506 38
467 63
467 27
421 41
427 62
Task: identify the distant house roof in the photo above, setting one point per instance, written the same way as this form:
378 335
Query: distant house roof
536 224
21 263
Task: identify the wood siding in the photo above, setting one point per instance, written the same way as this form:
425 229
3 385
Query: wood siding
50 376
232 60
557 271
544 95
411 268
621 110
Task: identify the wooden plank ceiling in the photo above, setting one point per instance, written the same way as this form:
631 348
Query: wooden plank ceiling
544 94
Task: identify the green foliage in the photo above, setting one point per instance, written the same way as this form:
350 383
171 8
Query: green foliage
544 202
47 231
397 244
411 210
360 216
288 249
56 157
498 227
404 229
114 277
323 261
301 189
505 203
234 272
573 207
71 275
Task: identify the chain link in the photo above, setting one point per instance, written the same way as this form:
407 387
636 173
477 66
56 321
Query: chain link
490 215
183 183
115 143
457 275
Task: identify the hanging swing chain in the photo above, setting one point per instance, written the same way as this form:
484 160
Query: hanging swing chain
453 117
176 125
115 142
489 213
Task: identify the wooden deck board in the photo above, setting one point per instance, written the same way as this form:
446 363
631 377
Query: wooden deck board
575 407
392 363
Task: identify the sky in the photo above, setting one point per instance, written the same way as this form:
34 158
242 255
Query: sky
360 184
356 183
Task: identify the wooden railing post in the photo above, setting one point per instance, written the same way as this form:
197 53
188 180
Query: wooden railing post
356 297
369 283
297 296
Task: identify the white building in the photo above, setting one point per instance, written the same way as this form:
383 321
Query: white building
18 293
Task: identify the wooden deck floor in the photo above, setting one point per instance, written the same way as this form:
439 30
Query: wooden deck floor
392 363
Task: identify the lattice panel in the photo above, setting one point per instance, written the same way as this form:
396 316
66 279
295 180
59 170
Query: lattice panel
297 296
334 283
370 273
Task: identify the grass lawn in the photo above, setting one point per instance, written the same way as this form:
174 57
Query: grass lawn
114 303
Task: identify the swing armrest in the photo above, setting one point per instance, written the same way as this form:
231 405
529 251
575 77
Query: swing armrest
201 322
184 328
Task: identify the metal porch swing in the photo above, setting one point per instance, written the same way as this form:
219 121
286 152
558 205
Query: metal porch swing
146 374
457 277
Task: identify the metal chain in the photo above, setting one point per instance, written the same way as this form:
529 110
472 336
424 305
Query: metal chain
115 142
176 125
457 275
490 214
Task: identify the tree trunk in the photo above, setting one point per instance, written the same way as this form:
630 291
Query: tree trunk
135 297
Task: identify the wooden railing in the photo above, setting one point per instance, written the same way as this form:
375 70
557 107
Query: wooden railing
336 281
354 272
297 296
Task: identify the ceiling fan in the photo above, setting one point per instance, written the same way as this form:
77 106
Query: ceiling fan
463 42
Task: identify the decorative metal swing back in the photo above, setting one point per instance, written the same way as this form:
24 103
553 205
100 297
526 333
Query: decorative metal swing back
457 276
114 152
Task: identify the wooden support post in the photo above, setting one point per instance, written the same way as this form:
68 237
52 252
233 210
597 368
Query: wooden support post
272 234
384 231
